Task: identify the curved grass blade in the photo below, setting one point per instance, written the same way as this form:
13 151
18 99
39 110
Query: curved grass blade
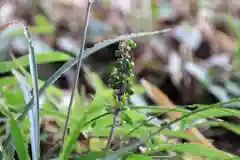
87 53
95 108
133 146
197 149
34 74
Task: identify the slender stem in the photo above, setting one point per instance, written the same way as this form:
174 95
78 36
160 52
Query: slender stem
110 137
79 62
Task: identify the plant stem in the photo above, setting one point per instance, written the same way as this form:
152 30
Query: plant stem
79 62
110 137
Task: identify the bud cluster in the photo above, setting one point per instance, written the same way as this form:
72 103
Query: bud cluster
121 77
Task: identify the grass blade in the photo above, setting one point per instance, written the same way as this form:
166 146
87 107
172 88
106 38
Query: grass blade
197 149
17 135
79 62
73 62
87 53
35 110
95 108
133 146
10 152
32 116
34 74
43 57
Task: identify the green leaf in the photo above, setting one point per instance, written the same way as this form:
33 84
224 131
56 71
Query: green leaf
10 80
232 127
51 89
95 108
14 98
77 109
101 123
140 132
138 89
92 155
232 88
155 10
41 20
138 157
237 33
94 79
197 150
97 155
159 109
39 29
87 53
134 116
58 115
213 113
41 58
18 139
178 134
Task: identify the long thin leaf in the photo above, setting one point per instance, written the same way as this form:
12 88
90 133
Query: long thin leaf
41 58
10 152
133 146
32 117
10 80
17 135
95 108
197 149
36 109
230 126
87 53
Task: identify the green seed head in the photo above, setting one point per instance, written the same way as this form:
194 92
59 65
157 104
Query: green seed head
122 74
132 44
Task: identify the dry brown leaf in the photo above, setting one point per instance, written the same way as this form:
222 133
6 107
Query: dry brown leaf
226 42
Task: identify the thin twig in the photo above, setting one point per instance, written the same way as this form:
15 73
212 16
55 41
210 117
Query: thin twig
79 62
110 137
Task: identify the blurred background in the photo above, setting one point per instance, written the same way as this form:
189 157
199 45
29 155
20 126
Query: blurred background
197 62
